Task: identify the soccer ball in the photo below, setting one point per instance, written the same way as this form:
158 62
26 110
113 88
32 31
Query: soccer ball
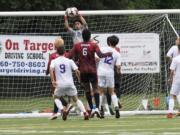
71 12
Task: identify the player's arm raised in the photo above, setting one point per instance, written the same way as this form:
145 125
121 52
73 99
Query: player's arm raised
66 23
82 20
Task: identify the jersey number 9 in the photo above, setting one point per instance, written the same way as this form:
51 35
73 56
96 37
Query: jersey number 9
62 68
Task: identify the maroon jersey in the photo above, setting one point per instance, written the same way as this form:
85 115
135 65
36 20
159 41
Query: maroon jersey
51 57
86 54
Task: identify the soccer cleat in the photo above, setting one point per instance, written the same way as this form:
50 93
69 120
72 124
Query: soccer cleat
70 106
97 113
64 115
86 116
177 114
102 112
92 113
53 117
169 115
89 112
117 115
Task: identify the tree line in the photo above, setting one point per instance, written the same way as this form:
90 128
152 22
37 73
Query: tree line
58 5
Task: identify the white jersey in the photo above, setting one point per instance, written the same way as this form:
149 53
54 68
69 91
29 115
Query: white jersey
63 71
77 34
106 65
173 51
175 65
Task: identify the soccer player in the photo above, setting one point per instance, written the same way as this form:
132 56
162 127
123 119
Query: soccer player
117 78
78 26
58 42
174 78
63 81
106 74
172 53
87 65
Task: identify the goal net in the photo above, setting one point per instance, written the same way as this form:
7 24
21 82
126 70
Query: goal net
27 39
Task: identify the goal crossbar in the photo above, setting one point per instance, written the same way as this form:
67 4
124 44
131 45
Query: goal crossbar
94 12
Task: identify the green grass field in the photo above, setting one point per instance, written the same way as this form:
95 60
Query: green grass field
129 125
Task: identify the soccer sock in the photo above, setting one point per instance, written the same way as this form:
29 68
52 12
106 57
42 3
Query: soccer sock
89 99
80 105
171 105
55 108
178 98
64 103
96 96
108 99
59 104
114 100
100 101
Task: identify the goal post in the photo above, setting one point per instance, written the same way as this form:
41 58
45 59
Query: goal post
26 40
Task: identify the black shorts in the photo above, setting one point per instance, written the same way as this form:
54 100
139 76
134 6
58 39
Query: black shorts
88 77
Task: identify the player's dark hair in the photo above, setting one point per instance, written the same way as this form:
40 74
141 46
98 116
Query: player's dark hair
86 34
60 50
77 20
108 40
114 40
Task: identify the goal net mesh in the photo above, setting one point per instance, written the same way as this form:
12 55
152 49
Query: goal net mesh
29 93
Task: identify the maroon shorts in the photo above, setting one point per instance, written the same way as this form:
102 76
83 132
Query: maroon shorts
88 77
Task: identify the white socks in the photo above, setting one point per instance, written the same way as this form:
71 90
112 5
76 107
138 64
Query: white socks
178 98
80 105
114 100
59 104
171 105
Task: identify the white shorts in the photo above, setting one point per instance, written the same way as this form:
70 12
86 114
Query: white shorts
175 89
65 91
106 81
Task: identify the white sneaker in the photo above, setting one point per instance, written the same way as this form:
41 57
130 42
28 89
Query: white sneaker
54 116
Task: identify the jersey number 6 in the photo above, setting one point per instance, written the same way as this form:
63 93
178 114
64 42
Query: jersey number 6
84 51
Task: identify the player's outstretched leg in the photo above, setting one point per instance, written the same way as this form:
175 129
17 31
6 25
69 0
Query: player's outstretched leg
60 107
55 111
81 107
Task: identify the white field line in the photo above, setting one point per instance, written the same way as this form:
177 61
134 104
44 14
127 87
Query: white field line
120 131
47 115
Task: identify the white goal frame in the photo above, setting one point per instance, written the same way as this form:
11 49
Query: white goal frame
91 13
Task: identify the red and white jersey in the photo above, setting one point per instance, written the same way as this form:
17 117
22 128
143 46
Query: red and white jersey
106 65
175 66
63 71
173 52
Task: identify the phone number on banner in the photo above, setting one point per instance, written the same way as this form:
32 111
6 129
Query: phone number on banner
22 64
